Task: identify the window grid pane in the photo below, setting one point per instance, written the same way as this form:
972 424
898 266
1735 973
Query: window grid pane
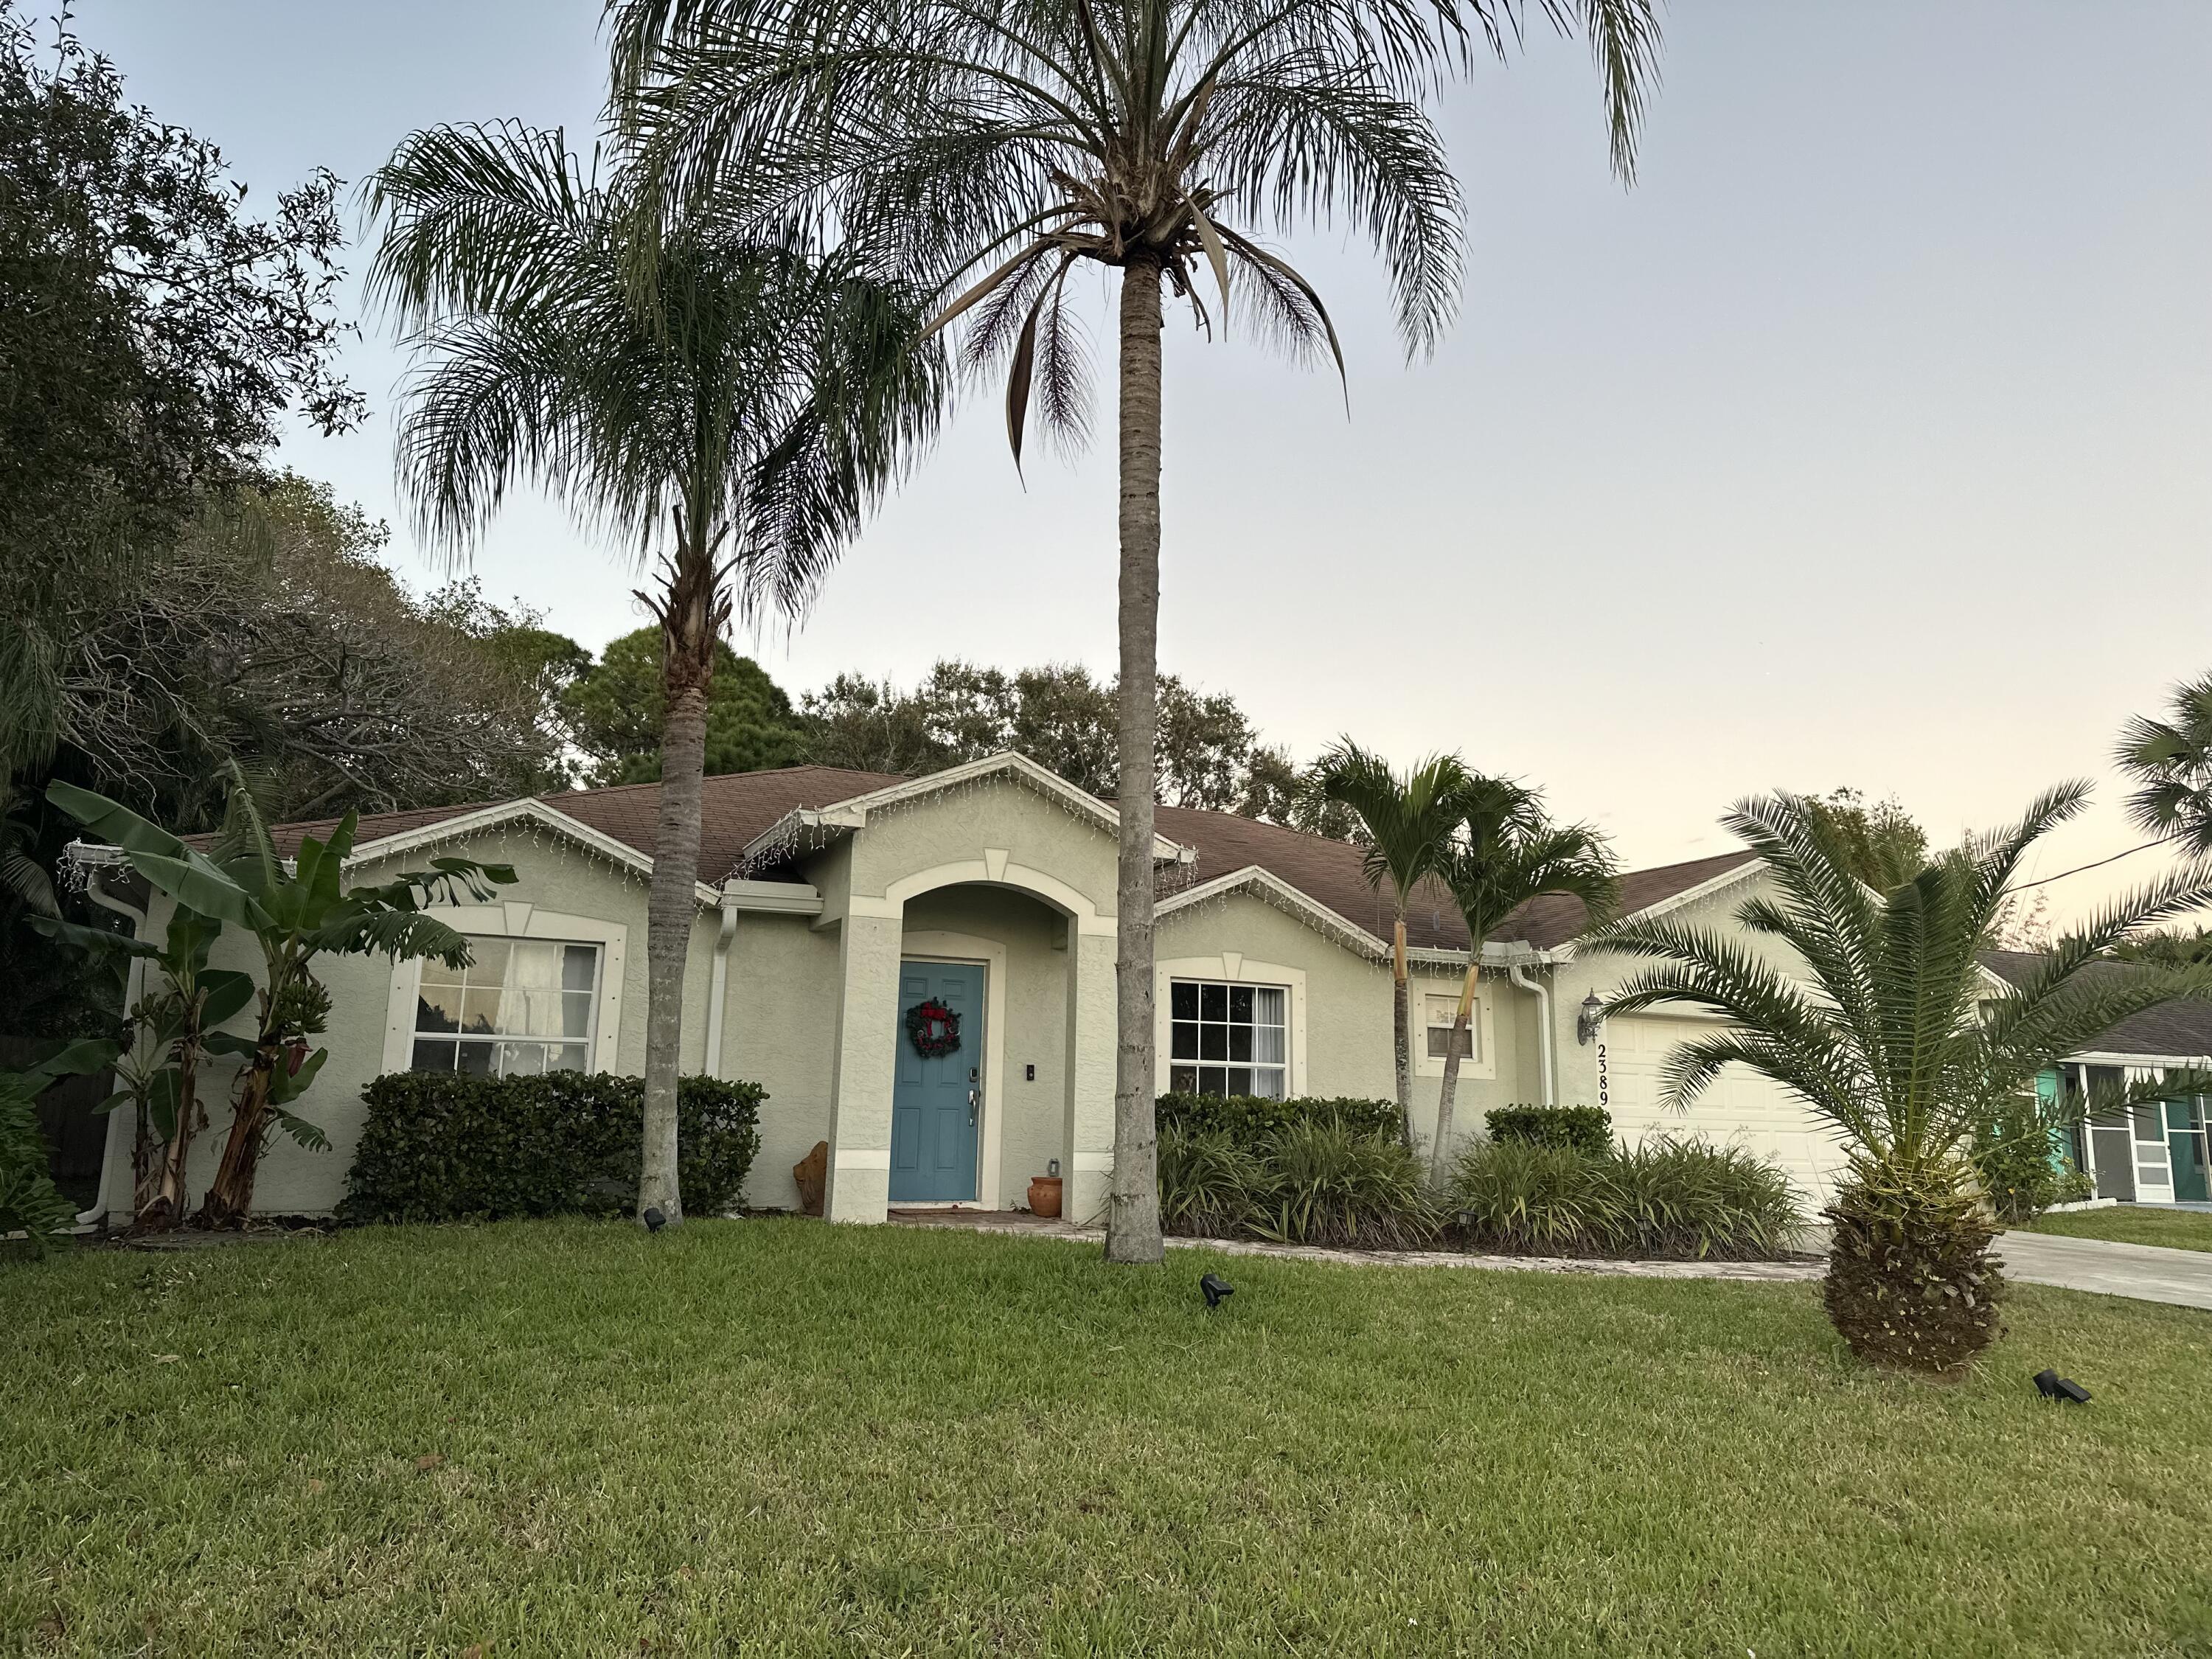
521 1008
1441 1012
1238 1033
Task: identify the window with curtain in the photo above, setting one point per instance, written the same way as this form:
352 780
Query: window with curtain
1228 1039
521 1008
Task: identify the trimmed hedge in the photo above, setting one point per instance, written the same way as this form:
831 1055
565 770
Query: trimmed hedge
438 1147
1584 1129
1253 1122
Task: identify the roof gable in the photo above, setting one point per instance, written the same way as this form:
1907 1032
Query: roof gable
807 829
740 810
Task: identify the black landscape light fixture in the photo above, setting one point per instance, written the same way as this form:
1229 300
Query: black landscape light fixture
655 1221
1590 1020
2055 1387
1217 1289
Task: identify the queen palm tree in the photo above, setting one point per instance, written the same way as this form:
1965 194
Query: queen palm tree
1002 144
728 398
2171 762
1900 1042
1505 851
1408 819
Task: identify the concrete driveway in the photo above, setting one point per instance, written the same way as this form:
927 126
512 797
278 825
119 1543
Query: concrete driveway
2142 1271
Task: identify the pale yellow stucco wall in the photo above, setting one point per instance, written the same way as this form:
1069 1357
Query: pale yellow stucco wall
553 875
780 1030
998 860
792 1022
1347 1023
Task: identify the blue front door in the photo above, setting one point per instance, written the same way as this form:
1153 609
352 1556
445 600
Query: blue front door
937 1099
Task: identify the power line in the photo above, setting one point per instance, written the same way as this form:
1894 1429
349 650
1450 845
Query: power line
2101 863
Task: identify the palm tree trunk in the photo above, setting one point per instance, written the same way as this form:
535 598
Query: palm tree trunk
1401 1032
1133 1213
1440 1154
687 676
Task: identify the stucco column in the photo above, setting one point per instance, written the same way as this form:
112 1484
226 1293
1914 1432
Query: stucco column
1086 1155
859 1187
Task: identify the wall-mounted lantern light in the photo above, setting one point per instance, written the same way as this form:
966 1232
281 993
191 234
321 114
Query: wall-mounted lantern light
1590 1021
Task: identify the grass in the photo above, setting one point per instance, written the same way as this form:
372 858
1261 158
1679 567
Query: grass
2127 1223
772 1436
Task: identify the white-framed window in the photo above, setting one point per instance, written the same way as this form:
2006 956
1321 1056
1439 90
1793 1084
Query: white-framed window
1439 1009
1434 1003
522 1006
1228 1039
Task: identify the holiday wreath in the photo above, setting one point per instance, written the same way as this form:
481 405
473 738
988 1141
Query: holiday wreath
933 1027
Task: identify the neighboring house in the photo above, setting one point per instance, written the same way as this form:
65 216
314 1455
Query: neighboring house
842 900
2155 1153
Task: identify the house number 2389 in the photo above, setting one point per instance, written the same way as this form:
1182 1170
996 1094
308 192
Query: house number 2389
1604 1083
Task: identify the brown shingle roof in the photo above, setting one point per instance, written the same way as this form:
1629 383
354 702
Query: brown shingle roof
2179 1029
740 805
1329 872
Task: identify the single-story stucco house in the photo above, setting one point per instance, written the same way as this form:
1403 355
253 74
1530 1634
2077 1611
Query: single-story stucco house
2155 1153
841 900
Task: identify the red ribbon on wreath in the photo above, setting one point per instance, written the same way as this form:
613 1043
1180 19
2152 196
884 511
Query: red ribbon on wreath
933 1029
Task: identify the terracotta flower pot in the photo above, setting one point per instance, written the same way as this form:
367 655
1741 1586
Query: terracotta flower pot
1044 1196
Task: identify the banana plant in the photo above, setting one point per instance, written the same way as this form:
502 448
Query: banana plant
295 913
172 1022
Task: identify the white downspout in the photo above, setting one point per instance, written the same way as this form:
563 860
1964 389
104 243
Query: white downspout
134 987
718 984
1518 973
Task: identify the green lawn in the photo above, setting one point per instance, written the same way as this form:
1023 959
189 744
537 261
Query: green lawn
774 1436
2124 1223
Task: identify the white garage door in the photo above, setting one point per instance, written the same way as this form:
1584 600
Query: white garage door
1738 1108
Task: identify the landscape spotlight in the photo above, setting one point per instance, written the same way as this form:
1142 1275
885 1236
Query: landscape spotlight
655 1221
1215 1287
2055 1386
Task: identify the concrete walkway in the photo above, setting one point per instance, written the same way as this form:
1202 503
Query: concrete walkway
1030 1227
2144 1272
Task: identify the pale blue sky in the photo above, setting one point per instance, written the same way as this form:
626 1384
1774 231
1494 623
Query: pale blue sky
1864 440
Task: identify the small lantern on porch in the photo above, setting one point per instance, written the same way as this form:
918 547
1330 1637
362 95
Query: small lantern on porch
1590 1021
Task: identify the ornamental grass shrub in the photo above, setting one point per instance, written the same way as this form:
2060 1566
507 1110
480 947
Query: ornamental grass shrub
1679 1200
1209 1182
440 1146
1315 1181
1254 1120
1328 1184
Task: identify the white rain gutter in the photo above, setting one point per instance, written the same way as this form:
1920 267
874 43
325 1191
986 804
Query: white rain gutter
134 988
1518 973
718 984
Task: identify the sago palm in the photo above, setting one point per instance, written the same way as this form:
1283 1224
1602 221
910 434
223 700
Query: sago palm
2170 761
1409 819
728 398
995 146
1504 852
1900 1040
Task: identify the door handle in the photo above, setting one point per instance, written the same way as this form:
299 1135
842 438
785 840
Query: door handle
975 1099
